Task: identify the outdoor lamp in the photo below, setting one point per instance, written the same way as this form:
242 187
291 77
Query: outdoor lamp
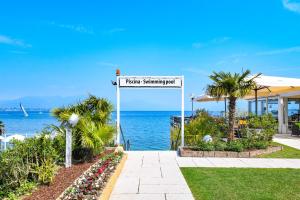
73 120
192 97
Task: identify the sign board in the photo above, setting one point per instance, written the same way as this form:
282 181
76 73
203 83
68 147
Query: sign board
150 81
159 82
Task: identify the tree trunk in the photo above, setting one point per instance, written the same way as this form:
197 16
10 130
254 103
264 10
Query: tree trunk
231 117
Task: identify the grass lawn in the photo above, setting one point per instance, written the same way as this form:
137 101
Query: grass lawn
287 152
243 183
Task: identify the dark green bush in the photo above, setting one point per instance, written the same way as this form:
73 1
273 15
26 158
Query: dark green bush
235 145
205 146
255 144
263 127
220 145
83 154
204 124
23 162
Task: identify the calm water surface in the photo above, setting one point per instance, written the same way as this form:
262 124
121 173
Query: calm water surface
146 130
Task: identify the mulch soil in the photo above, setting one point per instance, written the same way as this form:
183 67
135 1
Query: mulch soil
63 179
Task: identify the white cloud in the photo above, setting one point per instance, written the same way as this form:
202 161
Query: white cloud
197 71
115 30
214 41
293 6
18 52
220 40
295 49
11 41
198 45
77 28
108 64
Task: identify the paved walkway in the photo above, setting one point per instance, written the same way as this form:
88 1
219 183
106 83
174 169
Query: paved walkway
153 175
289 141
156 174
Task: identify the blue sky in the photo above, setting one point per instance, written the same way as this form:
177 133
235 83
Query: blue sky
55 48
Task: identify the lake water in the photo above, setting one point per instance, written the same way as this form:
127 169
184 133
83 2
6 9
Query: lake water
146 130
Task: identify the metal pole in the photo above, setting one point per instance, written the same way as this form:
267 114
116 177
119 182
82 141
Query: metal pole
193 107
5 141
256 103
225 102
267 105
118 111
68 161
182 111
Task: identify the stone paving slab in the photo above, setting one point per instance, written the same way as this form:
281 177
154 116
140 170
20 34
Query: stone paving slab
138 197
292 142
239 162
151 175
156 174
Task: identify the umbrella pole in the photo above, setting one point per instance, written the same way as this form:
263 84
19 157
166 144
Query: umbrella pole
192 107
256 102
5 141
225 102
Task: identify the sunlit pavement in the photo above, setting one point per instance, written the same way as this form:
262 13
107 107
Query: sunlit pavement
151 175
289 141
156 174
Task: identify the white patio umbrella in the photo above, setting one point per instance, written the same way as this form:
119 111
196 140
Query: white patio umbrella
208 98
273 86
1 138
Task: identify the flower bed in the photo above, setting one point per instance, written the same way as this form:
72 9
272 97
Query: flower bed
90 184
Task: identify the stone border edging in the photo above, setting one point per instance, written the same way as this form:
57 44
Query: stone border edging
186 152
106 192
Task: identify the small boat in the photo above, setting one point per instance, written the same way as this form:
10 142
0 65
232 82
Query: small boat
24 111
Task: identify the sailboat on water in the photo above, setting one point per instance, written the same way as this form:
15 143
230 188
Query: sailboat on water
24 111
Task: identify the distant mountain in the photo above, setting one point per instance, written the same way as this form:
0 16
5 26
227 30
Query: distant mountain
39 102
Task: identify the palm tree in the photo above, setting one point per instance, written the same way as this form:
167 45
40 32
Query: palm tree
233 87
97 109
2 126
92 130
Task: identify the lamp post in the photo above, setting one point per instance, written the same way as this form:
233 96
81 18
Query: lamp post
192 97
72 122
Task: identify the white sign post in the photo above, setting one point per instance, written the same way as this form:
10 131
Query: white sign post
154 82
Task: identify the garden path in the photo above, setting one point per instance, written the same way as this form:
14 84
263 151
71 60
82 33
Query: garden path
289 141
151 175
157 175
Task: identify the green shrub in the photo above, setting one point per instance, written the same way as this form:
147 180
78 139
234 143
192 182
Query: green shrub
19 163
235 145
255 144
46 171
220 145
203 124
82 155
265 126
175 138
298 124
205 146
